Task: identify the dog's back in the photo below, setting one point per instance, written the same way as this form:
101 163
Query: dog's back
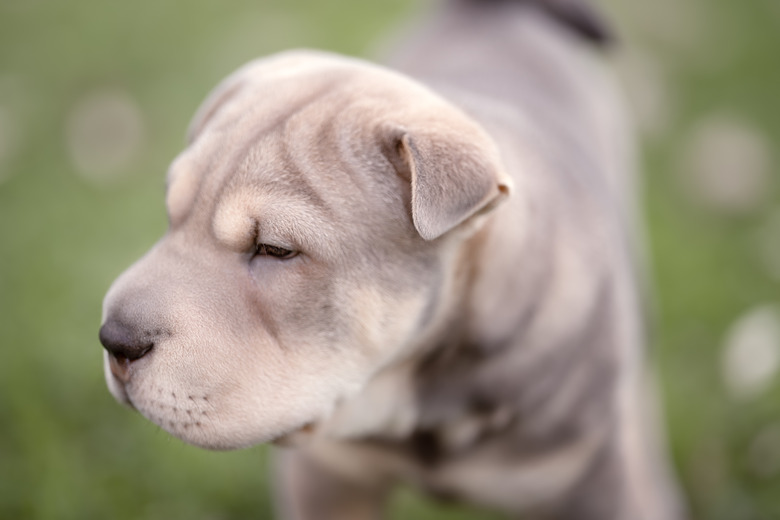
532 73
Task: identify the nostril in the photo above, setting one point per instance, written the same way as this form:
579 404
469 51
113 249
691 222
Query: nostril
125 343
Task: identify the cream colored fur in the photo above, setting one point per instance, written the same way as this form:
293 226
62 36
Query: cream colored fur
459 309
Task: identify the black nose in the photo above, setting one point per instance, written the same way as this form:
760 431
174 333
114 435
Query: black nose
125 342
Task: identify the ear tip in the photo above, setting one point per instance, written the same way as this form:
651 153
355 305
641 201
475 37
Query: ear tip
431 227
428 235
428 226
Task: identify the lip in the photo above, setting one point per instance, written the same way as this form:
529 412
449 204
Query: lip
116 384
296 436
120 368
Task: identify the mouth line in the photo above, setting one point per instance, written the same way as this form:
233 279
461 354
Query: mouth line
120 367
125 395
130 404
296 435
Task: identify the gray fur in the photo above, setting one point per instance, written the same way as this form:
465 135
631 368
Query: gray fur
464 313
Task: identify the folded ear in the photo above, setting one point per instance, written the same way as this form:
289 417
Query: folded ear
455 174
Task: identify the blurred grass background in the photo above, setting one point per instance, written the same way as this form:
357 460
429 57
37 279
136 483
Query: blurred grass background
95 96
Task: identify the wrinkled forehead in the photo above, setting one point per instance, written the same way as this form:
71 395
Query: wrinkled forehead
272 160
285 77
251 112
280 84
253 177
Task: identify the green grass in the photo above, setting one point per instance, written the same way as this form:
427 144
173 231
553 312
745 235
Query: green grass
67 450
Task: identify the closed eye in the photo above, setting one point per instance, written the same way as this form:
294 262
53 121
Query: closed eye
275 252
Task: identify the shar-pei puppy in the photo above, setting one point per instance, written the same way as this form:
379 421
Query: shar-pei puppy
423 277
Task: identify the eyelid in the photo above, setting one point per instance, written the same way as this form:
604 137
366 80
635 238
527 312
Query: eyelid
274 242
274 251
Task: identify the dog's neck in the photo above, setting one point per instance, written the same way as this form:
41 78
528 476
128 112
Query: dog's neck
458 353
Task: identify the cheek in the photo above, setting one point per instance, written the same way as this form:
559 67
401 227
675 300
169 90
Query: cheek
312 313
346 316
378 322
296 301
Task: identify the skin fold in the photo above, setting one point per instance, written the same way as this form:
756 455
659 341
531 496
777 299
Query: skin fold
423 276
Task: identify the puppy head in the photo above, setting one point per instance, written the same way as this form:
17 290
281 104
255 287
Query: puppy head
313 219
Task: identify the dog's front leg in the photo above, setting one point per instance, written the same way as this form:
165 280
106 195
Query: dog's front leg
305 489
